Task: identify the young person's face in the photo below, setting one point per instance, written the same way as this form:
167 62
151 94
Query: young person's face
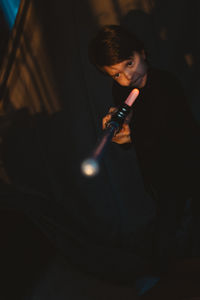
131 72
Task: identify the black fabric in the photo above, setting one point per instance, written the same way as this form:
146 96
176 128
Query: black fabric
164 132
166 139
61 281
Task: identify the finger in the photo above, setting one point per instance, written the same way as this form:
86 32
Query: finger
122 134
118 137
126 139
105 120
112 109
125 130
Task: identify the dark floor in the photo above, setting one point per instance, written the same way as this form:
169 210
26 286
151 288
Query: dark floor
24 253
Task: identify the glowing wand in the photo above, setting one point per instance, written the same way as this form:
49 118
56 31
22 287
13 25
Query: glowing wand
90 166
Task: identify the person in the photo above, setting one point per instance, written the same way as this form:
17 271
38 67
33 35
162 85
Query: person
162 130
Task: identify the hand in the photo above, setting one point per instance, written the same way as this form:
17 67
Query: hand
123 136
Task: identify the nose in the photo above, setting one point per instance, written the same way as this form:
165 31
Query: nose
128 74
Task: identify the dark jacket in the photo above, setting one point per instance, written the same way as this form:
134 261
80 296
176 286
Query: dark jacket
164 133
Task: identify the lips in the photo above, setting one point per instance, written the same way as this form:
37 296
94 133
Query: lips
136 81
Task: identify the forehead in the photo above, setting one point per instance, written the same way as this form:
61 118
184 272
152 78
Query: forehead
111 70
115 68
119 67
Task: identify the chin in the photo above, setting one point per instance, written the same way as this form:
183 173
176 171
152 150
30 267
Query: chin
134 85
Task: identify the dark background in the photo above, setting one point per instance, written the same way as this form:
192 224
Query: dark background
41 148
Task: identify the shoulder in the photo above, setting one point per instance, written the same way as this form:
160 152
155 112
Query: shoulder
162 77
166 85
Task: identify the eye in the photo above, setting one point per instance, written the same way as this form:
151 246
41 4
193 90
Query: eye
116 75
130 63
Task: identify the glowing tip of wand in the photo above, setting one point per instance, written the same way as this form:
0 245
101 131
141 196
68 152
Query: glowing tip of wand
90 167
132 97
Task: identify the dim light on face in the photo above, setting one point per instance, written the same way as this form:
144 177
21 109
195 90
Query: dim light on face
130 72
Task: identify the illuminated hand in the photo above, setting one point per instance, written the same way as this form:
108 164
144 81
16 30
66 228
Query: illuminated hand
123 136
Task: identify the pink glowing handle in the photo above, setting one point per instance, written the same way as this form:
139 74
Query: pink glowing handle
132 97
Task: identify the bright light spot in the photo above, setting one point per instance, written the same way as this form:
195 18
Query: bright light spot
90 167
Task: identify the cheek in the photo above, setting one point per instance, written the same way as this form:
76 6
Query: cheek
142 67
119 80
123 82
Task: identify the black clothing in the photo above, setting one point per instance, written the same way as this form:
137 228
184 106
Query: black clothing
167 142
134 240
164 133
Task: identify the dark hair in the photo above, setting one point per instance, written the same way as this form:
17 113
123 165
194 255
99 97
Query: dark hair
112 45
